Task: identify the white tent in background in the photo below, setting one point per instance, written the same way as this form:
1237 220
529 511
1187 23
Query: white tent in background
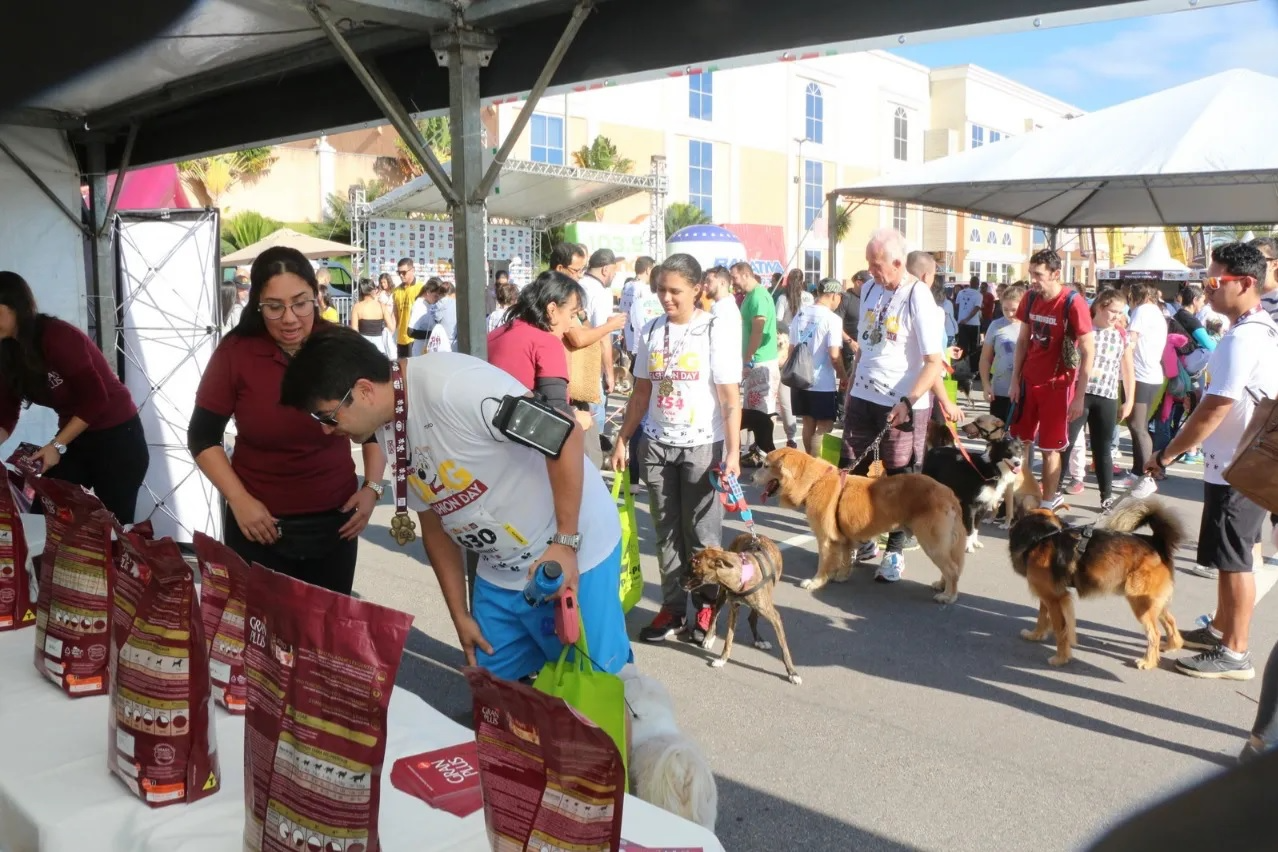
1155 257
1197 154
1249 236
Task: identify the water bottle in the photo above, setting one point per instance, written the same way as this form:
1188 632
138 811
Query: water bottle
545 581
1204 620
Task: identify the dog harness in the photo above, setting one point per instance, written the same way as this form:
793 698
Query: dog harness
753 567
1080 546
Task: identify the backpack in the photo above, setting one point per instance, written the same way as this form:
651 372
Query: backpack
798 372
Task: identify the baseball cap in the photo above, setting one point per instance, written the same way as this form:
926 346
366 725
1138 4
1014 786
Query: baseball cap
830 285
602 258
242 282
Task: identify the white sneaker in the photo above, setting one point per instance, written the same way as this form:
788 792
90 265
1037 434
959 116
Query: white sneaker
1127 483
890 569
1145 487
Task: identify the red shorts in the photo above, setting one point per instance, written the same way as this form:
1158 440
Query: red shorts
1042 414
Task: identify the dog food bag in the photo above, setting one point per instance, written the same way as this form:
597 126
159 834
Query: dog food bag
223 589
551 778
161 742
73 606
320 668
17 609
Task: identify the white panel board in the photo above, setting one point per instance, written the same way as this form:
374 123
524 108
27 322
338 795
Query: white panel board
430 245
168 281
41 244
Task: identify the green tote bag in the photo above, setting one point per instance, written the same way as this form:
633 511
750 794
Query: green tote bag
631 573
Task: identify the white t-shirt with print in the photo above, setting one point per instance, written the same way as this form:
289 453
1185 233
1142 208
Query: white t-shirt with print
912 328
1242 361
1148 322
629 294
966 300
492 495
701 355
728 317
821 328
598 300
645 308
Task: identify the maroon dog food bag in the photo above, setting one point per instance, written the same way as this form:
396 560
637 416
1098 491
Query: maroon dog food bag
73 606
17 609
223 589
320 668
551 778
161 741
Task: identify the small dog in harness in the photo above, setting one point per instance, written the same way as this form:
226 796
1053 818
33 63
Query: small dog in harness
746 573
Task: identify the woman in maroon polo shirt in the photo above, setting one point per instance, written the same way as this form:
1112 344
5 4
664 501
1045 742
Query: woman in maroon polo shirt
530 344
46 361
293 502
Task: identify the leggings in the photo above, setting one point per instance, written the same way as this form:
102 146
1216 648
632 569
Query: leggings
1266 726
1100 414
1138 425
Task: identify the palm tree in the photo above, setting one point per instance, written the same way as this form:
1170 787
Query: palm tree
842 222
439 140
245 228
211 177
680 216
336 224
602 155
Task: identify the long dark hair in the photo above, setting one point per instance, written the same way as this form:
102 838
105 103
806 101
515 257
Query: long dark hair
550 288
276 260
794 291
22 364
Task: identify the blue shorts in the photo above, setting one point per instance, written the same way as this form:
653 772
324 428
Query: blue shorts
523 638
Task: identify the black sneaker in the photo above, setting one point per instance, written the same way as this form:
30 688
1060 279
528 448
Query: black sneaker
1201 639
1217 664
665 626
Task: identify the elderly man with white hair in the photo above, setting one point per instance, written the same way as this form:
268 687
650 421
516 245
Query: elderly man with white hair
901 338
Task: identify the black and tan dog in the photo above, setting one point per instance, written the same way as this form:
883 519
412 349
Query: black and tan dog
843 510
746 573
1112 559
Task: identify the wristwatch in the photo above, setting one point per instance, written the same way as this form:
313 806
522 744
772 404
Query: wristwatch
60 447
1159 460
376 487
571 541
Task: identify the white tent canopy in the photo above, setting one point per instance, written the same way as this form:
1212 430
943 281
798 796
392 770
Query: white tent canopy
1155 257
1197 154
538 194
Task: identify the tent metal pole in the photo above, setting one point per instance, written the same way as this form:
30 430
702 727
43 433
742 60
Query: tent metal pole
103 294
464 52
43 187
390 105
557 55
831 233
119 175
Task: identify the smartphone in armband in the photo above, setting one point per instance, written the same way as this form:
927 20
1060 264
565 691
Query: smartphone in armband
532 422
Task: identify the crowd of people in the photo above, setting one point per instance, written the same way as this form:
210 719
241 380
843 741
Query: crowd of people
705 348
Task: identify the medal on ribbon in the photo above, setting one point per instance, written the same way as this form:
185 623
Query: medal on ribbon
403 529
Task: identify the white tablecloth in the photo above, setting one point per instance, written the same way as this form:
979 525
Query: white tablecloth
56 794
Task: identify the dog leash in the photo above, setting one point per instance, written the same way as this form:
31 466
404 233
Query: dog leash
958 442
732 497
873 448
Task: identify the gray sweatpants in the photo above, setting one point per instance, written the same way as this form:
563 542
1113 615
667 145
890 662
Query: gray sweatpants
686 513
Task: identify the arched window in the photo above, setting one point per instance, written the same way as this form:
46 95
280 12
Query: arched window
1007 239
901 135
814 114
975 236
992 238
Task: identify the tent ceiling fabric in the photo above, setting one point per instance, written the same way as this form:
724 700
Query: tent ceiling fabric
244 72
537 194
1197 154
312 247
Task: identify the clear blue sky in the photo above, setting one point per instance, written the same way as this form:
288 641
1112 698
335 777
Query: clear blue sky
1098 65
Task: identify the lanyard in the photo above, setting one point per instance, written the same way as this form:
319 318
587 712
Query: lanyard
403 530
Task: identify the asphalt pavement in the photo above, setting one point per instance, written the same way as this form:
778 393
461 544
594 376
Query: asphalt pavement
917 725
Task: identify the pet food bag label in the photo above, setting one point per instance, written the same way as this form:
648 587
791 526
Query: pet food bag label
320 668
17 609
223 588
551 779
161 742
72 609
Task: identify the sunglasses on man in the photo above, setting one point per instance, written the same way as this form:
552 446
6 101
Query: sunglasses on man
330 418
1215 282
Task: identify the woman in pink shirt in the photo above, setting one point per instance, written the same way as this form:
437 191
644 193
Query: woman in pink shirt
529 345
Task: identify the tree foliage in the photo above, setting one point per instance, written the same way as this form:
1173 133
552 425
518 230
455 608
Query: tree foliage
211 177
602 155
680 216
438 136
336 224
245 228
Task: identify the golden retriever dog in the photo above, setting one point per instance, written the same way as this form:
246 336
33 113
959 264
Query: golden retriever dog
746 573
844 510
1112 560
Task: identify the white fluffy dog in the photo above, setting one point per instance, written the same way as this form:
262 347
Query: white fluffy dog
667 769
